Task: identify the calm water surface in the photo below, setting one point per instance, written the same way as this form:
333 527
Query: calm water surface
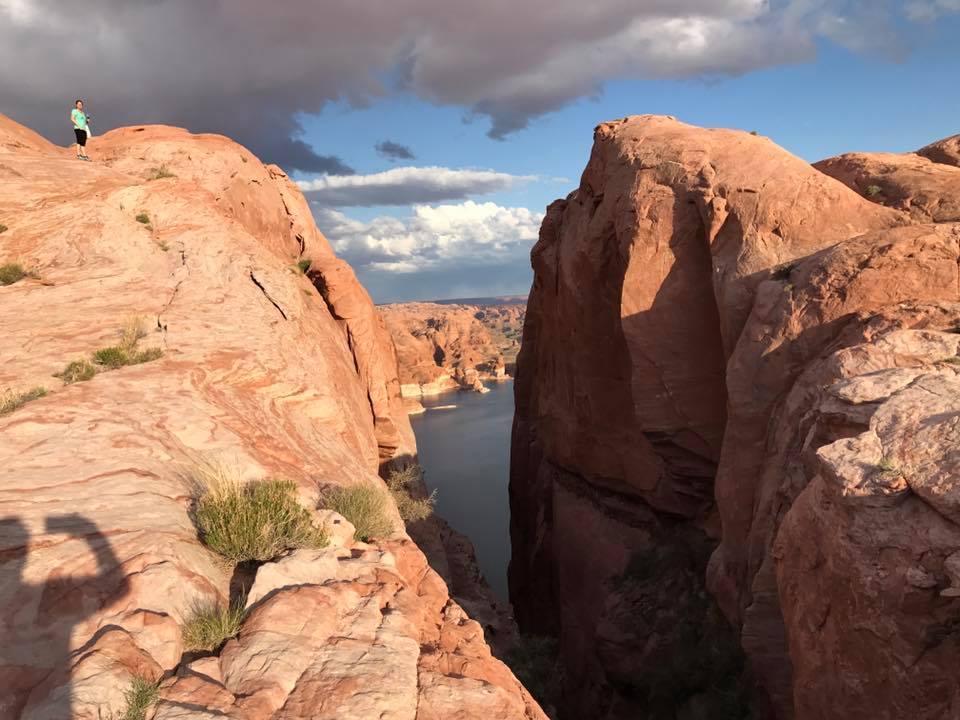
465 453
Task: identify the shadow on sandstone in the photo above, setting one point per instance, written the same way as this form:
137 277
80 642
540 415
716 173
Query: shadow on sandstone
36 652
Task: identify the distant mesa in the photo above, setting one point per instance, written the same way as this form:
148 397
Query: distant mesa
451 344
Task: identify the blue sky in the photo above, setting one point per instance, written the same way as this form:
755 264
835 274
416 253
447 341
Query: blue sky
488 107
842 101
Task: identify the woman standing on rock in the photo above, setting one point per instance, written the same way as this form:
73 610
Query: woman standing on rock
79 119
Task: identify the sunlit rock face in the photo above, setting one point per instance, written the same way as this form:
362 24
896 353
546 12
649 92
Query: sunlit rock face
274 362
699 304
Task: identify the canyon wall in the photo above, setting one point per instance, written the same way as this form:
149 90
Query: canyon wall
266 369
444 346
717 453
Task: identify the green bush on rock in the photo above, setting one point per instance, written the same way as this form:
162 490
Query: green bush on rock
256 520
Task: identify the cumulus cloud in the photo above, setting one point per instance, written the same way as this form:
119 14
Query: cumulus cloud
250 69
407 186
436 238
930 10
394 151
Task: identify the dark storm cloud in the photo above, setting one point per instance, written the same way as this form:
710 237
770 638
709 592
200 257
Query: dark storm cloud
249 69
394 151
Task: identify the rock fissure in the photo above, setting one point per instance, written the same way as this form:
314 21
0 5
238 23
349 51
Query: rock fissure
267 296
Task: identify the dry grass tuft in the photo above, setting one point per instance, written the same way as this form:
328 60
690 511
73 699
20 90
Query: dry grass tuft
10 400
365 506
403 485
14 272
211 624
256 520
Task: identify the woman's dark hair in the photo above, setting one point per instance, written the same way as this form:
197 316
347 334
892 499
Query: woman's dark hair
76 102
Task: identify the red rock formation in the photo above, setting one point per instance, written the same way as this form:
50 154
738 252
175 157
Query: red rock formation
99 560
443 346
928 190
662 407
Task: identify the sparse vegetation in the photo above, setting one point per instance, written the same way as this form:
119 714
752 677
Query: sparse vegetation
754 133
251 521
160 173
163 246
535 660
77 371
365 506
140 698
952 360
10 400
127 352
873 190
403 485
3 228
211 624
143 219
14 272
304 266
887 466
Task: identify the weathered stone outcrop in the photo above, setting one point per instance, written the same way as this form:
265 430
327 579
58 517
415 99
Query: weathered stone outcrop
264 368
445 346
927 189
676 379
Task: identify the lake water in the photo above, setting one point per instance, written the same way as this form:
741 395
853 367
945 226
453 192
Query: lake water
465 453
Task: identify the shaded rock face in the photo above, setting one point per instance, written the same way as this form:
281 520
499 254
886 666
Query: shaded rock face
441 347
698 303
266 369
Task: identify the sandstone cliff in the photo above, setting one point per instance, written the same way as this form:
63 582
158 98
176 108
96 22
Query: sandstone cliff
446 346
278 373
728 352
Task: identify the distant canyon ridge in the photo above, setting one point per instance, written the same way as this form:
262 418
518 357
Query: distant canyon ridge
448 345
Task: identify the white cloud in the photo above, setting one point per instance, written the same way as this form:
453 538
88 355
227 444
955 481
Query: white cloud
407 186
469 234
930 10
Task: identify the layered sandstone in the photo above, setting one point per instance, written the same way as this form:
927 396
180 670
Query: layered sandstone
272 371
927 189
446 346
699 303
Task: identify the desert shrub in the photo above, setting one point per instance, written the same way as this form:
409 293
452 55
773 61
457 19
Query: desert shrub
77 371
10 400
535 660
14 272
3 228
160 173
143 219
304 266
251 521
365 506
127 352
873 190
211 624
403 485
140 698
782 272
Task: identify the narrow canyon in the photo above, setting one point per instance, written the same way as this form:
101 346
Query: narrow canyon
734 482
